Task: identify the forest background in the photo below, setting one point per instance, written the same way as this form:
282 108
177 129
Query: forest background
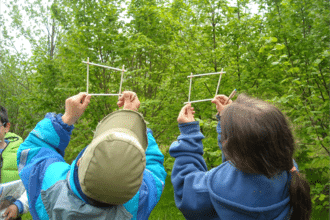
279 54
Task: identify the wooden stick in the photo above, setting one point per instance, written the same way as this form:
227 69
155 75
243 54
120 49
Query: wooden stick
205 74
231 96
87 72
203 100
108 67
190 87
216 93
104 94
121 80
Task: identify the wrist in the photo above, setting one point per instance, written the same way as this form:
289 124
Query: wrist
19 206
189 127
185 122
67 120
131 108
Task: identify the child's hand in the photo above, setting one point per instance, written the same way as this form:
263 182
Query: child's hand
75 107
186 114
11 212
220 101
129 100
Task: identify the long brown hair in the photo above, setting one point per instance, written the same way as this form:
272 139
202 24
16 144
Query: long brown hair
256 138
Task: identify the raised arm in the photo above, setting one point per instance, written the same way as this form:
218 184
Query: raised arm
155 162
219 138
45 146
220 101
154 175
190 175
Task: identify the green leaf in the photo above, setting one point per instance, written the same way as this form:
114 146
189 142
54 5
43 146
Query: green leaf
317 61
322 196
279 47
273 39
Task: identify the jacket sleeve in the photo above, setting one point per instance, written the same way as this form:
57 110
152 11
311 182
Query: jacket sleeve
219 139
22 203
141 205
43 147
189 175
153 179
155 159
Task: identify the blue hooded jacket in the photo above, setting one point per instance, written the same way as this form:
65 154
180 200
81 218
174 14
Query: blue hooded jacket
223 192
52 185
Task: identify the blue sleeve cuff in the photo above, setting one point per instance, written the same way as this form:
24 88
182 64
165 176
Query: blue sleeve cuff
19 205
58 119
189 128
65 126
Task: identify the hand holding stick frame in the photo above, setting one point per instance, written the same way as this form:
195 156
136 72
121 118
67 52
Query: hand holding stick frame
129 100
186 114
75 107
221 101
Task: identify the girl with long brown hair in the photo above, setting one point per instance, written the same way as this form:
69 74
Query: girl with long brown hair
258 178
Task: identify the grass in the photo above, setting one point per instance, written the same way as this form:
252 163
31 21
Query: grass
320 215
165 208
27 216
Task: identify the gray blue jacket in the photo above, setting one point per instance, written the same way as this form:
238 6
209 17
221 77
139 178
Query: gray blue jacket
53 187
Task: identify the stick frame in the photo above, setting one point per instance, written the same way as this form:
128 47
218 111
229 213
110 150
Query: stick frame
204 74
107 67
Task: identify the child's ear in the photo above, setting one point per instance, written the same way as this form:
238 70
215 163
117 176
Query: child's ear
78 163
7 127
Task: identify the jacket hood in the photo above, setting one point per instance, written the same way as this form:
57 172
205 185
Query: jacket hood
75 185
74 181
239 195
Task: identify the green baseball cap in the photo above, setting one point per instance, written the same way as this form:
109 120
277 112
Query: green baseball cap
111 168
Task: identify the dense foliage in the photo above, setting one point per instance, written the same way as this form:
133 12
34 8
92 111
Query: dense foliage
280 54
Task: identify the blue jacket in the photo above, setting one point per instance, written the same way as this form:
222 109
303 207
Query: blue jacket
223 192
52 185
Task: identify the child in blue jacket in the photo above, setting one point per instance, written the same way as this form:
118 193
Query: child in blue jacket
119 175
254 180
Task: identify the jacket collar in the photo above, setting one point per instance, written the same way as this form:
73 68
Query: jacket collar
74 181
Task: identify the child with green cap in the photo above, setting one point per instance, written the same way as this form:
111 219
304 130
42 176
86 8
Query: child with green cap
9 143
119 175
